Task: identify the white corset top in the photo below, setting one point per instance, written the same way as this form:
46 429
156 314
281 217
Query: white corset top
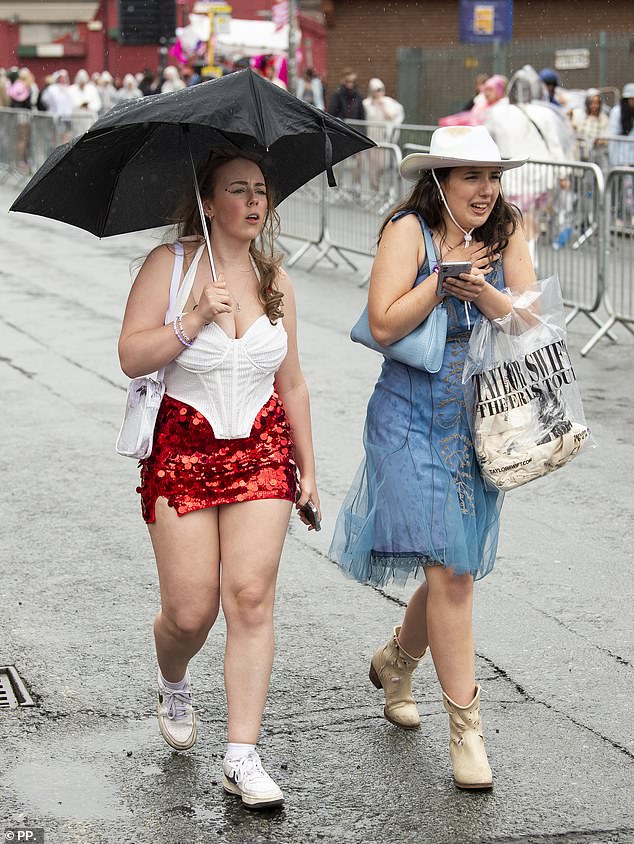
226 380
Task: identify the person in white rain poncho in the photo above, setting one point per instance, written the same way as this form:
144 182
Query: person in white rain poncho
526 126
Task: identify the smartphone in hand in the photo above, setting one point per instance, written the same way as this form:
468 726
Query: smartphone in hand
450 269
311 513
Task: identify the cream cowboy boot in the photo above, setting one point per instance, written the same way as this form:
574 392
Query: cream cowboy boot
391 670
466 744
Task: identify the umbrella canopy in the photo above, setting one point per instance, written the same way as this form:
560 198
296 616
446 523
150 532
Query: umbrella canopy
133 168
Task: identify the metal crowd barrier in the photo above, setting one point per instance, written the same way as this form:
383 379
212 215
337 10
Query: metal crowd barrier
389 133
27 138
618 233
561 205
620 150
302 216
368 185
576 226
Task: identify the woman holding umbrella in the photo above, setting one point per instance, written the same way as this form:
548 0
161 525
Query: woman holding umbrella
234 428
232 436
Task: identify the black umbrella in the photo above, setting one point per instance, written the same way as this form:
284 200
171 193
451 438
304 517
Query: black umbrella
131 170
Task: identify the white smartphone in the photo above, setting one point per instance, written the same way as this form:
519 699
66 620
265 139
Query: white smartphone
450 269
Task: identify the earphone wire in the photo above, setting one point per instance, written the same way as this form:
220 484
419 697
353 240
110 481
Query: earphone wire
467 234
467 238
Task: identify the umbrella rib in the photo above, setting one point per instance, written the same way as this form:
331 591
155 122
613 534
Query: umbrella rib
260 111
119 172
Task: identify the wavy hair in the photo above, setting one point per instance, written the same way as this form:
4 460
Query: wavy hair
261 249
424 198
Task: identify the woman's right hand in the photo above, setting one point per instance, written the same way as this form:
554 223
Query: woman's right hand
215 299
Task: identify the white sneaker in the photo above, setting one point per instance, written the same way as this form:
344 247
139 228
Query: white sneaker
248 779
176 716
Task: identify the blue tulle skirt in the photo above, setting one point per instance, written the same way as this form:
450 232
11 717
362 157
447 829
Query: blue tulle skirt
418 498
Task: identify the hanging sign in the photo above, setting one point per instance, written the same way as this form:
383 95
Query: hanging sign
483 21
572 59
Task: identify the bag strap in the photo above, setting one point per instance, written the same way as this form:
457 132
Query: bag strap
179 254
176 296
188 281
430 250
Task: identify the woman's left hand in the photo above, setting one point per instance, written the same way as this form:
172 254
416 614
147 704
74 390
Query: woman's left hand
307 489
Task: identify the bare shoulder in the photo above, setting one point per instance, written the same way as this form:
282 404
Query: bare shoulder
405 227
403 237
159 258
400 252
516 238
519 272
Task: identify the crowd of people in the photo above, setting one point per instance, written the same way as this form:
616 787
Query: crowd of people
530 114
530 109
574 125
86 94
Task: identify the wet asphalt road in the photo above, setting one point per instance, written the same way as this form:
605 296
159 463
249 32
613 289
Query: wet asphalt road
554 621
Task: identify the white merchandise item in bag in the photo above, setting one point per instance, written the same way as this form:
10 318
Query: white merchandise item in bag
521 390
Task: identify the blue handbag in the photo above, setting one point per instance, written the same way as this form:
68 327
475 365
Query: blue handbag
422 348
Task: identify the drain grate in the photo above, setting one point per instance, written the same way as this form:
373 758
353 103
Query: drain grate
13 692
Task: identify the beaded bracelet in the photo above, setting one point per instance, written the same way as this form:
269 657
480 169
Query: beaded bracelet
185 341
179 320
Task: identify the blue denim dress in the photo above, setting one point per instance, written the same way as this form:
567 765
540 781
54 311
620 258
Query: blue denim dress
418 498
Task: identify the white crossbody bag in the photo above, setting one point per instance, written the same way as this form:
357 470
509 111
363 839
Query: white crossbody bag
145 393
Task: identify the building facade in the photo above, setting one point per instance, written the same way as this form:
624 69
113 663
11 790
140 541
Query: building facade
45 35
414 47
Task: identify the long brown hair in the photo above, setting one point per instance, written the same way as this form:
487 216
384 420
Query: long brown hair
262 250
424 198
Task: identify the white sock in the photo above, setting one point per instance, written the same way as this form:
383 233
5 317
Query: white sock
175 687
236 751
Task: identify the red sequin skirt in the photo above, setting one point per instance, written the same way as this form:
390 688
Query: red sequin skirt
194 470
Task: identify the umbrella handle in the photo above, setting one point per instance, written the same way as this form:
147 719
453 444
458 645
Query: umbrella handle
201 211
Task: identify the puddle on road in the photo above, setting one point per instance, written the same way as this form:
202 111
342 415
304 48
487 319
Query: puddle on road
65 789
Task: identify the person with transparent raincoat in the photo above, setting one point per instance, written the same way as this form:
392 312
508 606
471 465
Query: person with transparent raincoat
528 126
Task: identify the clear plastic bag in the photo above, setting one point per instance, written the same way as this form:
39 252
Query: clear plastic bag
524 403
141 409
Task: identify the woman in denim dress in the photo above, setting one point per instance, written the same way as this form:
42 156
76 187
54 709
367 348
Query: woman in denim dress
419 505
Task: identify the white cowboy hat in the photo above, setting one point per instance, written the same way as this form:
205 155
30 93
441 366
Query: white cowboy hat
457 146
